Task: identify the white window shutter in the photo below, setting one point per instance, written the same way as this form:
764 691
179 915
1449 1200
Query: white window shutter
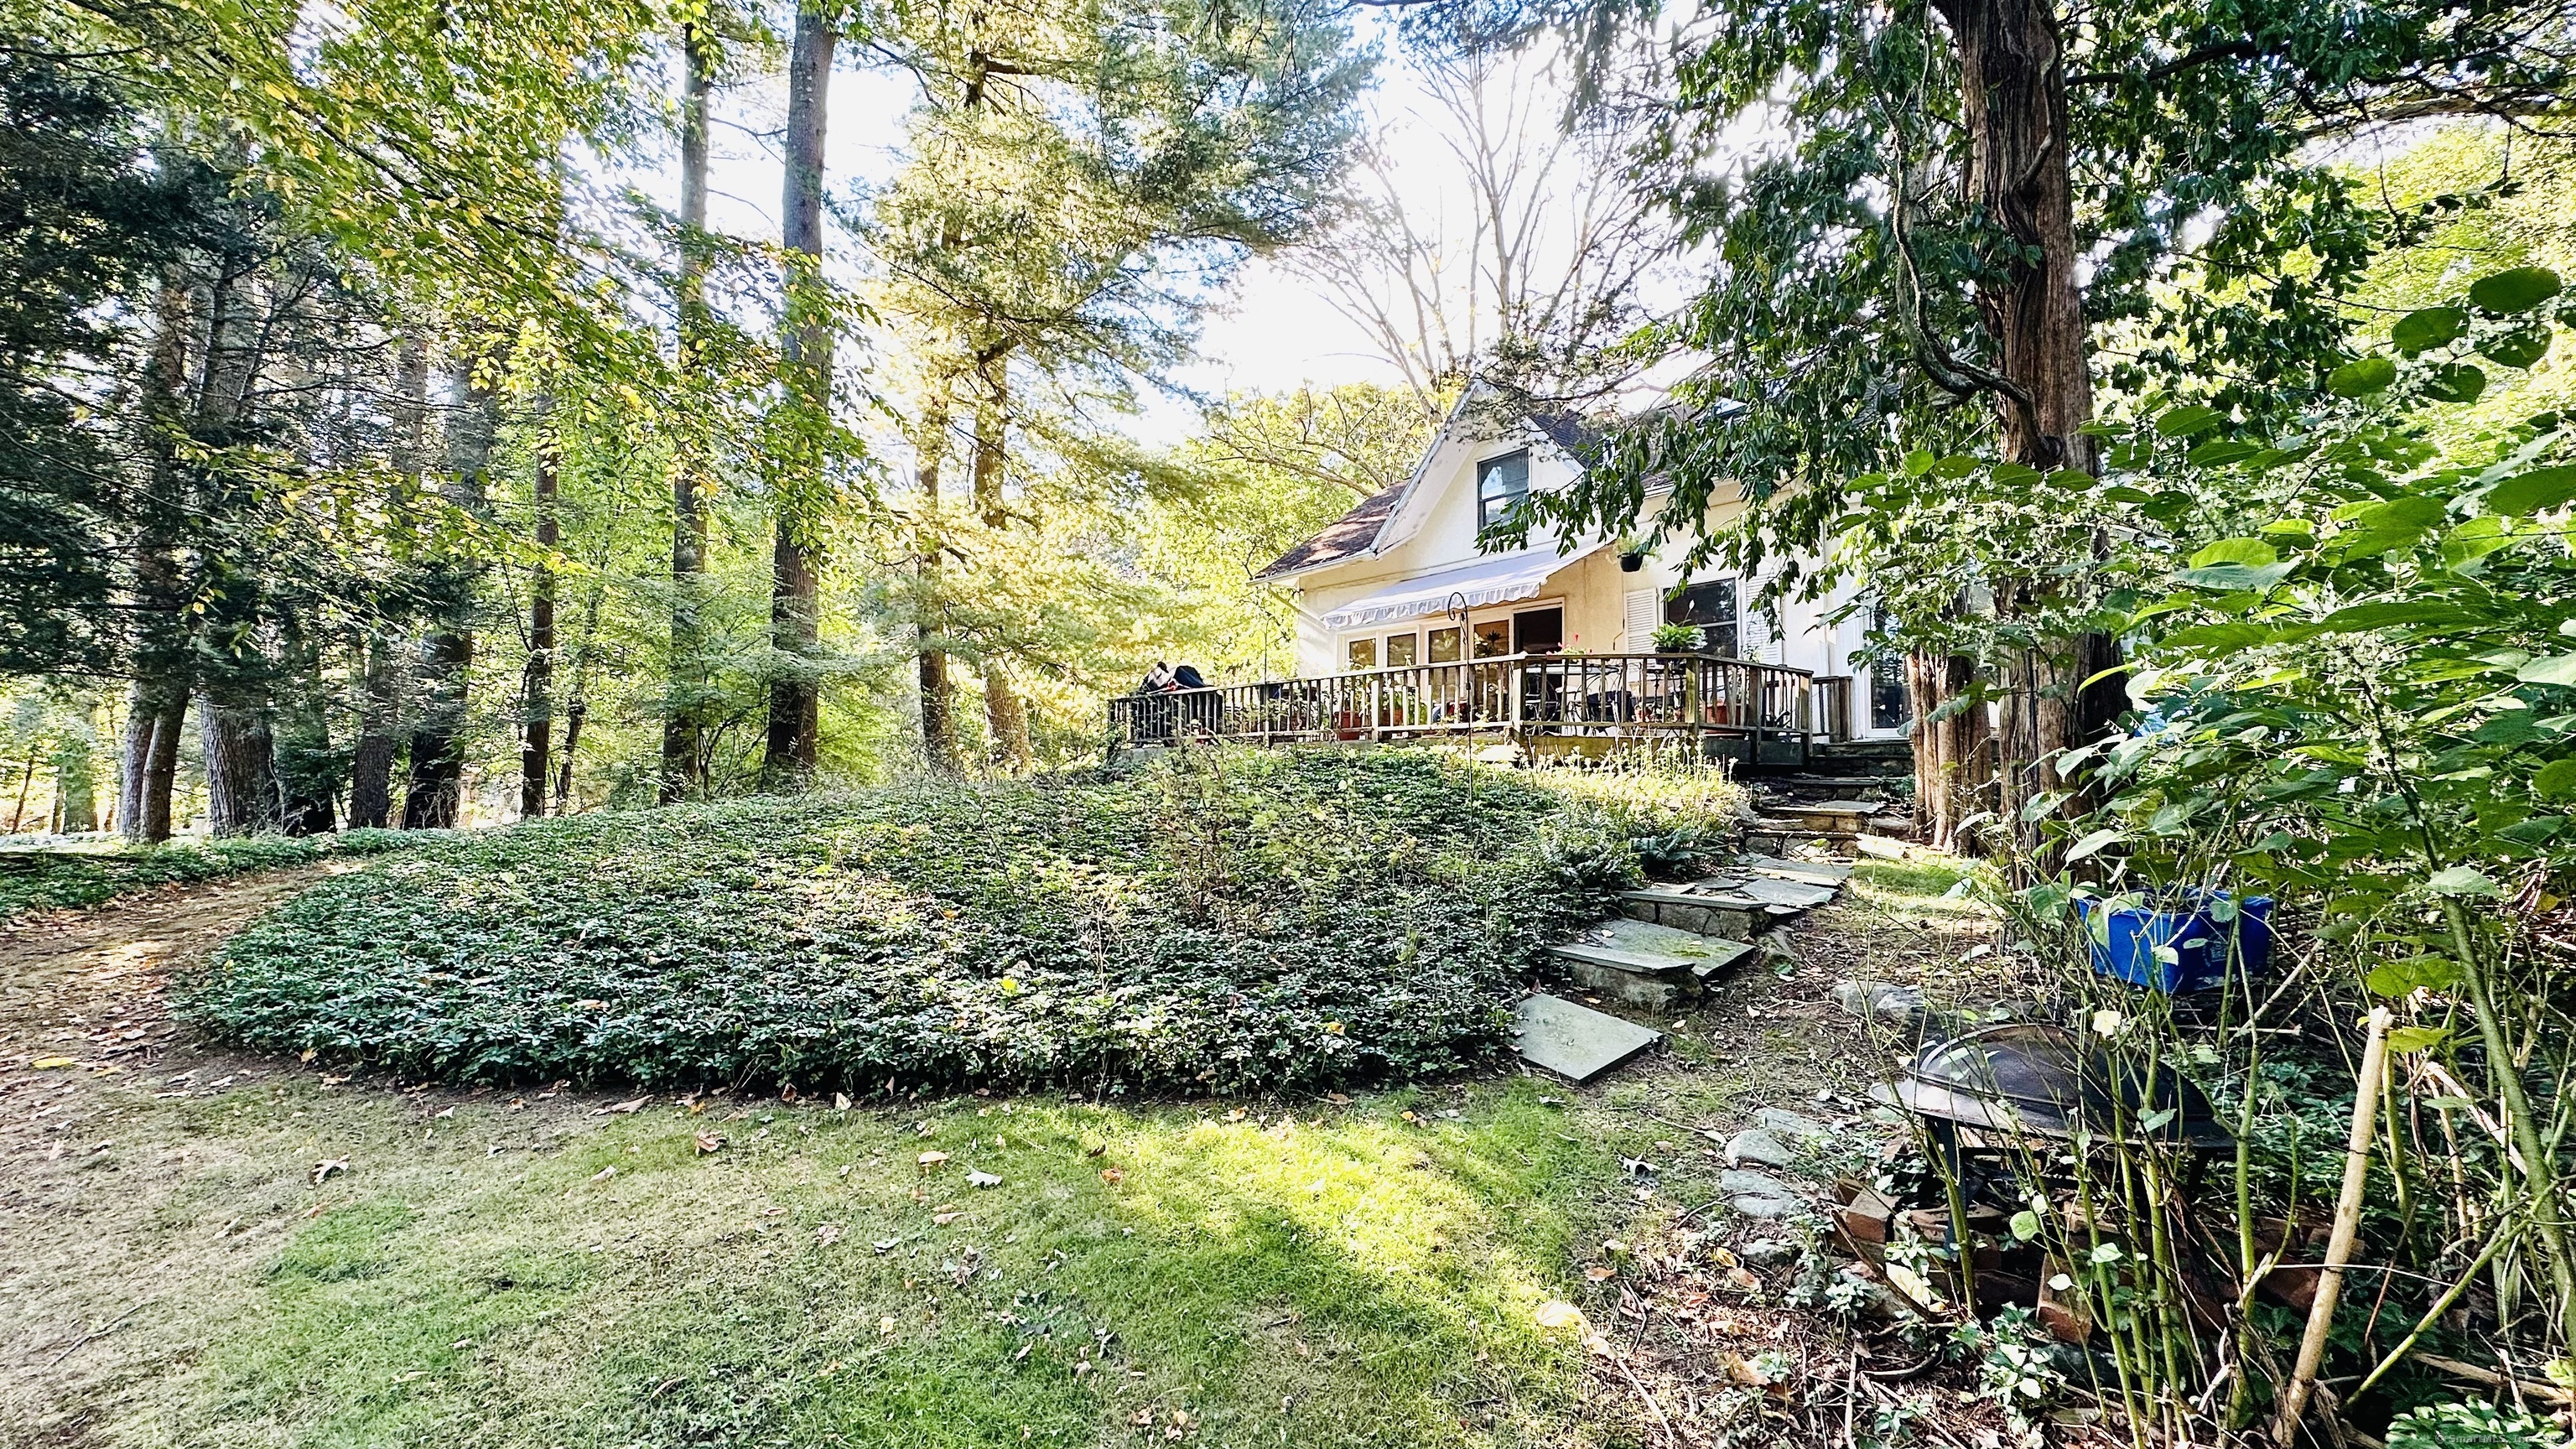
1641 620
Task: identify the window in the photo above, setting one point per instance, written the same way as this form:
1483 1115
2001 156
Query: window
1711 607
1364 654
1444 646
1493 638
1399 651
1500 483
1540 631
1887 709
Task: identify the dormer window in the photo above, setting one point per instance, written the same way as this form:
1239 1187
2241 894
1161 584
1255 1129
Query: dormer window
1500 483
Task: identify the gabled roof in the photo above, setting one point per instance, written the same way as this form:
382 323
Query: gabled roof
1348 536
1367 528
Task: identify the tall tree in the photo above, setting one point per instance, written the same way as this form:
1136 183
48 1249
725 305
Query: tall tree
805 344
1923 205
434 783
1081 177
683 770
537 676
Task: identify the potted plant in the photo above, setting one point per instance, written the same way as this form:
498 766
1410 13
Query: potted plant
1679 639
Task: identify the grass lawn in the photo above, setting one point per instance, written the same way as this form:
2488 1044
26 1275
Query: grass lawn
512 1266
543 1275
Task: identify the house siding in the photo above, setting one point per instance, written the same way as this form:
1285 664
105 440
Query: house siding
1434 528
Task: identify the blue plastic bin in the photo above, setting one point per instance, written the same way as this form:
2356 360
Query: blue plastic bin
2124 945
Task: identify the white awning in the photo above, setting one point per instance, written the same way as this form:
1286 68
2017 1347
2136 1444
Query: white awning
1486 581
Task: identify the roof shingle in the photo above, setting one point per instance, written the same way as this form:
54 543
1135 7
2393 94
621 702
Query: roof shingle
1345 537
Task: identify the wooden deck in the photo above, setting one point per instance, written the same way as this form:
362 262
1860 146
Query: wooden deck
1548 704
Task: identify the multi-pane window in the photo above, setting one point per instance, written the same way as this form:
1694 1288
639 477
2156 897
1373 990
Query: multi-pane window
1711 607
1444 646
1500 483
1399 651
1364 654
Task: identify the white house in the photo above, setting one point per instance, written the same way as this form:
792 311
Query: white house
1399 581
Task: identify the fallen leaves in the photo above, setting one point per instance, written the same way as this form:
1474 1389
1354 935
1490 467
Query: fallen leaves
929 1160
827 1235
622 1109
327 1166
981 1179
707 1142
47 1064
1557 1313
1112 1176
604 1174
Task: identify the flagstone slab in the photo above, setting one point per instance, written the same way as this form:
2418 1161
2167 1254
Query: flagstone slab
1573 1040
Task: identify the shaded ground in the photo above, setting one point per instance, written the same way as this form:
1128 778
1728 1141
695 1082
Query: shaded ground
210 1249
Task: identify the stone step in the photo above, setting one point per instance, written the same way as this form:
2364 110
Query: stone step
1805 872
1644 964
1574 1041
1653 950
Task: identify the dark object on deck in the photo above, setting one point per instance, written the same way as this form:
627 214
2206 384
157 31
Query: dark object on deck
1187 677
2187 922
2038 1079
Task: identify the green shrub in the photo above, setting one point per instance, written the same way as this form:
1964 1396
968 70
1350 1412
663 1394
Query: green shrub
1223 921
2472 1426
40 880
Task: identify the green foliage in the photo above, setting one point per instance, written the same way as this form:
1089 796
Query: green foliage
1220 921
42 880
2472 1426
2371 681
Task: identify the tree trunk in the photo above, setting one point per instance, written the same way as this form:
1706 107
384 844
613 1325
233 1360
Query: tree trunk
795 701
371 765
536 692
153 720
1006 716
163 643
683 733
26 782
573 714
2013 90
938 691
241 766
433 792
1952 761
235 670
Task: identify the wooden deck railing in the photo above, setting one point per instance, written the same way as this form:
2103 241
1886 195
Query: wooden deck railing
1632 696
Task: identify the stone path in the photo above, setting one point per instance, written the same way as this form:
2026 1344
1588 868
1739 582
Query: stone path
1670 944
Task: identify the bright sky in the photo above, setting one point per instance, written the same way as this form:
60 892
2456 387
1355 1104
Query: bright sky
1275 330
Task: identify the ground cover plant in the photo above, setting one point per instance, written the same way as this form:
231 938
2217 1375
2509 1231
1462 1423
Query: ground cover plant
43 880
1223 921
242 1251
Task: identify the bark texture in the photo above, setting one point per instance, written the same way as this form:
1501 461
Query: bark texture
683 730
1953 748
1006 715
2013 83
795 696
537 680
938 691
